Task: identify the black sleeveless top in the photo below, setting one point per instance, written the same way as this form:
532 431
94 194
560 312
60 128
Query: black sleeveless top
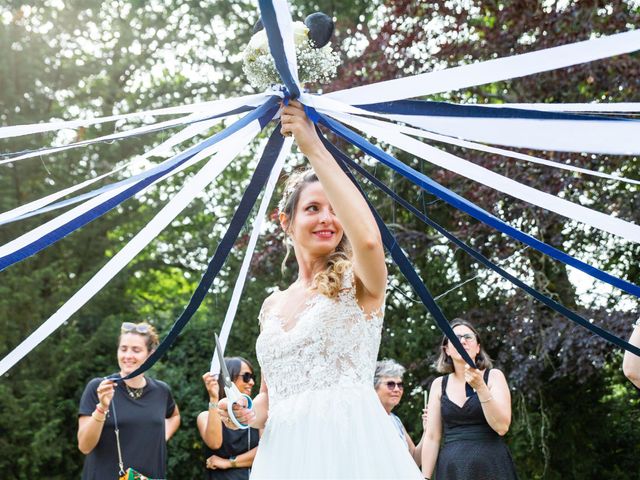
234 443
471 450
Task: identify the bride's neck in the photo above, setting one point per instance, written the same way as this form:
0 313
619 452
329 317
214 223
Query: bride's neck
308 268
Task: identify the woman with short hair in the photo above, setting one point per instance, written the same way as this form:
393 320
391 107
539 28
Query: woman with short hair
389 386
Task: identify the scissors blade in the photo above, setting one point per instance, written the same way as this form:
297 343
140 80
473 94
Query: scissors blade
226 378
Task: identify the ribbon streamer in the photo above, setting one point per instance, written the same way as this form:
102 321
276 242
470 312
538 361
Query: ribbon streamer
22 248
390 133
226 104
134 132
278 25
246 262
335 110
558 307
43 205
466 206
233 145
258 180
491 71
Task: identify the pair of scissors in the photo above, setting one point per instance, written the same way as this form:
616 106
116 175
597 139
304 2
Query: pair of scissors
231 390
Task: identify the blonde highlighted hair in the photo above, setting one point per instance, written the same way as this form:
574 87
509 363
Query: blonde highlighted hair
144 329
328 281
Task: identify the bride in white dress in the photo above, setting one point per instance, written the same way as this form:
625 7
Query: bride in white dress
320 337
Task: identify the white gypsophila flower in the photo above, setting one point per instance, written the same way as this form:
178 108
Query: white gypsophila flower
300 33
259 41
314 64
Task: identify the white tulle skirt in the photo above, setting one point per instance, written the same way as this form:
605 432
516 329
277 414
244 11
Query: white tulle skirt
332 434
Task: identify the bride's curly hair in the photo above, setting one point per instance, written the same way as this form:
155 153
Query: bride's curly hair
329 281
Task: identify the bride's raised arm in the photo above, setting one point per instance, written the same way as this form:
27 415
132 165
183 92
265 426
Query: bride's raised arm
347 202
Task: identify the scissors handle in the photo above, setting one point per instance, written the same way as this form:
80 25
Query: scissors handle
233 418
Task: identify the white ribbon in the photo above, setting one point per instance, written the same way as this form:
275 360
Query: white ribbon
285 25
491 70
246 262
594 136
620 107
69 215
391 134
331 107
231 147
222 105
163 148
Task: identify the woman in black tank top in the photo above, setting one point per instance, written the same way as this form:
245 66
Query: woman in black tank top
463 439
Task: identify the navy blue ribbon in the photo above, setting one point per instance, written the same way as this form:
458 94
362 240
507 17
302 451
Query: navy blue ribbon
132 179
257 183
445 109
276 46
405 266
235 111
561 309
468 207
264 114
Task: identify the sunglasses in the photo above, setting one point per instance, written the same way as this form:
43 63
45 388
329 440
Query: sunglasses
128 327
247 377
391 385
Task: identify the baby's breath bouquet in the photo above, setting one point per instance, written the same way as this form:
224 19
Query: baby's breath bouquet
314 64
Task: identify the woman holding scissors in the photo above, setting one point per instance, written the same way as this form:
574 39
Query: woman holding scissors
230 453
473 426
320 337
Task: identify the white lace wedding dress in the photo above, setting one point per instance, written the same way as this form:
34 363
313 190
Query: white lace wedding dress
325 419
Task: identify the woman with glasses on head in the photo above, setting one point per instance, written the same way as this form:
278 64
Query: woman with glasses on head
388 384
230 452
472 426
146 413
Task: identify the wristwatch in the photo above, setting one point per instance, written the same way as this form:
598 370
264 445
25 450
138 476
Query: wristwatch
233 462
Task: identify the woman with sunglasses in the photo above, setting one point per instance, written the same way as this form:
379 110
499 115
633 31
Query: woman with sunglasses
320 337
229 452
389 387
473 426
146 413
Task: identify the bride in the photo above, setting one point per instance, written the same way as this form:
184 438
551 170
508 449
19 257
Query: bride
319 338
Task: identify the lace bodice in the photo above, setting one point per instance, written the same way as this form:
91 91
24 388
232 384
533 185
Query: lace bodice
333 343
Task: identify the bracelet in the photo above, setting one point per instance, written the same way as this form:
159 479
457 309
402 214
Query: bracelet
487 400
102 410
213 405
232 460
95 417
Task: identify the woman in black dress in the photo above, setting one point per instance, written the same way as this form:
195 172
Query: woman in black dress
472 447
230 452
